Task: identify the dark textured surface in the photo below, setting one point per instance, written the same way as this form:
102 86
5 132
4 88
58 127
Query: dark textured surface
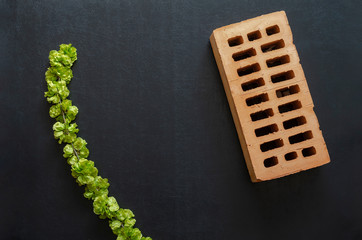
155 115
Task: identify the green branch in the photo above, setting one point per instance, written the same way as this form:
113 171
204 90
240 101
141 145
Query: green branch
58 76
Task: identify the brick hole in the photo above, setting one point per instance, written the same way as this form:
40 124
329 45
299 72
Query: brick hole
290 156
244 54
235 41
254 35
257 99
280 77
248 69
290 106
269 162
287 91
272 30
266 130
278 61
309 151
300 137
262 114
267 146
294 122
253 84
272 46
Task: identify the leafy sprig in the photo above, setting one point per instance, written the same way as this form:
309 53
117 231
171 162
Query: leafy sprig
58 76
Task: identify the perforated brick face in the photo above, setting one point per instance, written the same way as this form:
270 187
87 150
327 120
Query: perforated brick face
269 97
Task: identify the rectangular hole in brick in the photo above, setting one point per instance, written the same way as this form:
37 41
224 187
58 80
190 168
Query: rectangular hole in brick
244 54
235 41
294 122
309 151
273 46
269 162
277 143
287 91
266 130
253 84
278 61
280 77
290 106
257 99
290 156
254 35
248 69
272 30
300 137
261 114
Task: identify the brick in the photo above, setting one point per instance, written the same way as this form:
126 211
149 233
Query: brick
269 97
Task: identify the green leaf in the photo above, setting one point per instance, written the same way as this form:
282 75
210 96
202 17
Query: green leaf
70 51
130 222
99 183
54 99
114 224
72 128
123 214
88 195
55 111
131 233
72 112
98 187
68 151
58 134
100 206
58 126
84 152
79 143
66 104
128 213
63 90
54 58
69 138
112 203
50 76
72 160
121 237
136 234
84 179
63 73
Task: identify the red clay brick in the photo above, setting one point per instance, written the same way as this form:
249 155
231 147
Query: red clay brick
269 97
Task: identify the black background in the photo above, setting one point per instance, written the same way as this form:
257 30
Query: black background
155 116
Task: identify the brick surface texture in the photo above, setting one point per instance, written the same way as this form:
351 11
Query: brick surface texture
269 97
